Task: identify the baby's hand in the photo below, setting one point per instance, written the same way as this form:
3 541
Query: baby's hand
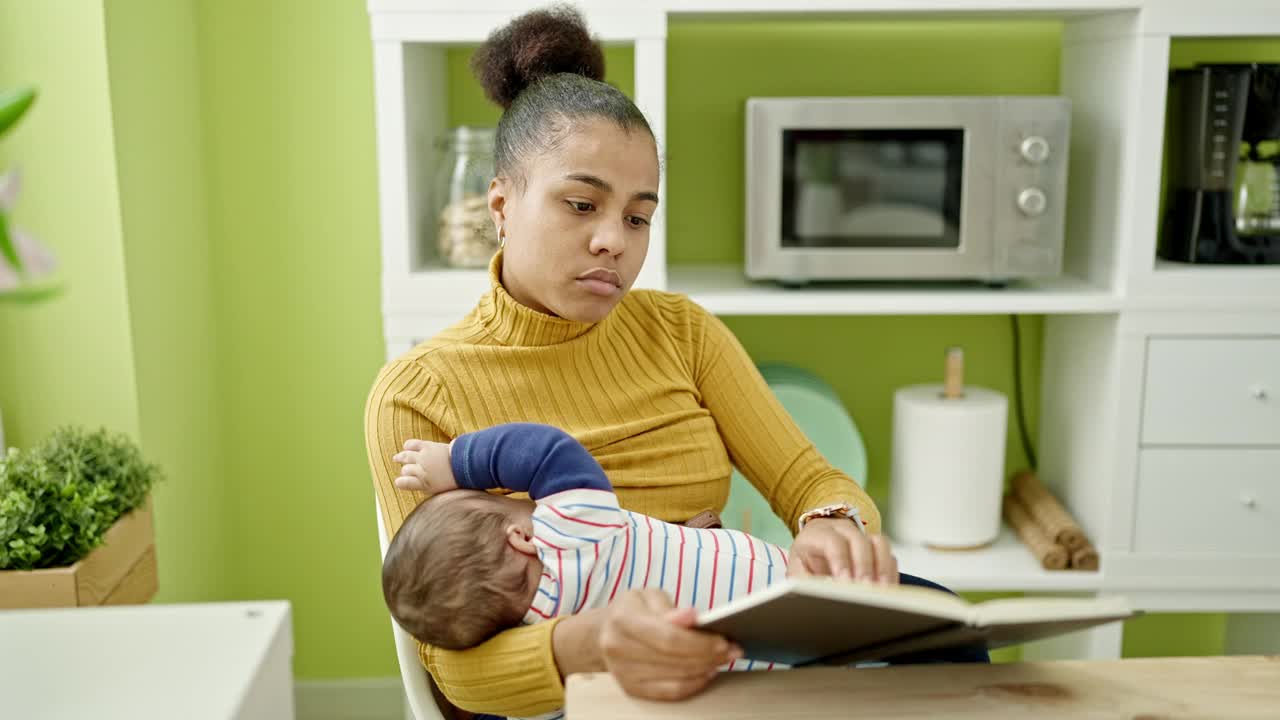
426 467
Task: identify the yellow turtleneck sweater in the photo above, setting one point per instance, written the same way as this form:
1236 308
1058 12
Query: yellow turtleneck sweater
660 392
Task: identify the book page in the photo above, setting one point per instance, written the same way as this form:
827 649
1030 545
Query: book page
908 598
955 636
820 620
808 621
999 636
1006 611
993 637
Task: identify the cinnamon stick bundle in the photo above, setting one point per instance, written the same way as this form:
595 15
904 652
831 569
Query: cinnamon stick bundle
1048 512
1086 558
1050 554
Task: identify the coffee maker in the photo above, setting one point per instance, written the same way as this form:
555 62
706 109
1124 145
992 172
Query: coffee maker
1223 204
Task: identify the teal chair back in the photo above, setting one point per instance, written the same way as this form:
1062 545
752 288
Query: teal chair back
816 408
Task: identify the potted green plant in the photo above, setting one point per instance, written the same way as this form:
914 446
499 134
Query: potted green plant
75 522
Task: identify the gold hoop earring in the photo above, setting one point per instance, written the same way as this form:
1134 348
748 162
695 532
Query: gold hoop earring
502 237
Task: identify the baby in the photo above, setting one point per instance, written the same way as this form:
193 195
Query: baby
466 565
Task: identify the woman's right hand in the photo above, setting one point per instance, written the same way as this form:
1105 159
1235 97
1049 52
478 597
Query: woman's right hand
653 651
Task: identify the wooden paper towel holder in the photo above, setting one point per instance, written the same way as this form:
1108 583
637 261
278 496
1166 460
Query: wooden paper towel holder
953 389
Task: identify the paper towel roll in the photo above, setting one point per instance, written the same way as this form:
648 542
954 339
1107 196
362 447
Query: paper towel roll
948 466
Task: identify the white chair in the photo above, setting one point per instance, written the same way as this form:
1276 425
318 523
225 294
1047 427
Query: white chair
420 701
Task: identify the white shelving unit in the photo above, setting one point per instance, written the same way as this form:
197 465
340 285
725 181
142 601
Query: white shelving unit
1113 302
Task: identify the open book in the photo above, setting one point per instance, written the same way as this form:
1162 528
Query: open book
810 621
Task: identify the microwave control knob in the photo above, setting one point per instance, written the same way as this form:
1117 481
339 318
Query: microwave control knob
1032 201
1034 149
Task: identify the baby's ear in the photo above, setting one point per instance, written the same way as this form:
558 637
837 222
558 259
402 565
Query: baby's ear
521 539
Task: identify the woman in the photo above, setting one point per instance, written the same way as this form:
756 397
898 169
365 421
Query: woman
657 389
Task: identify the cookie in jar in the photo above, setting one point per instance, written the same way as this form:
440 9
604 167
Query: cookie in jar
465 235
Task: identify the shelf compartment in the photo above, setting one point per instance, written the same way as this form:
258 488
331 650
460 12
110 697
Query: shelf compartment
1004 566
1173 285
435 292
1195 18
725 290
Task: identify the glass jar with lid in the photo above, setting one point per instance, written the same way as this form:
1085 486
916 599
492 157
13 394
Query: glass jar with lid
465 235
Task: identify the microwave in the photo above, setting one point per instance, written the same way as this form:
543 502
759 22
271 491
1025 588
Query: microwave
905 188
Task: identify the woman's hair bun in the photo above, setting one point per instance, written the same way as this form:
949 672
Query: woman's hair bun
533 46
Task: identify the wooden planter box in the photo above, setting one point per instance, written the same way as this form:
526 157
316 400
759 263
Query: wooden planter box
120 571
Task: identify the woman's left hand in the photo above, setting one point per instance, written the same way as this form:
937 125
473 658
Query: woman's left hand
835 547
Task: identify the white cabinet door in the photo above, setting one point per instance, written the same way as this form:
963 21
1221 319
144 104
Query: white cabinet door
1219 500
1212 391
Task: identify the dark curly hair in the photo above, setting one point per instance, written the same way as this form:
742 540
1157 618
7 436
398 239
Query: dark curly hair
547 73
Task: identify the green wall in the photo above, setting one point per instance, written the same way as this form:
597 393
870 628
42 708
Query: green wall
1186 52
293 231
159 170
223 265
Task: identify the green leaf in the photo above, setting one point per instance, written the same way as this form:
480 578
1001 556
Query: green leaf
13 103
7 249
32 293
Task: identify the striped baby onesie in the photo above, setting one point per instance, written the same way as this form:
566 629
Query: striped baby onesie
591 549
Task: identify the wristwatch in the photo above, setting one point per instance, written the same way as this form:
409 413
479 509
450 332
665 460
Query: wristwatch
839 510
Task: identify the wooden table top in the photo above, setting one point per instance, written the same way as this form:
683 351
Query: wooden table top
1165 688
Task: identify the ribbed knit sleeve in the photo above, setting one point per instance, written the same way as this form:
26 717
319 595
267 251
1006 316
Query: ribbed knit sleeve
763 440
401 405
512 674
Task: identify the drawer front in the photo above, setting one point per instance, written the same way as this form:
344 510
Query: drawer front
1212 391
1208 501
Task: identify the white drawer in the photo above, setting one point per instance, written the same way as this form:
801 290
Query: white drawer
1212 391
1223 500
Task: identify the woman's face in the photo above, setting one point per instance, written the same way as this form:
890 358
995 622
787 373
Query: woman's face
577 231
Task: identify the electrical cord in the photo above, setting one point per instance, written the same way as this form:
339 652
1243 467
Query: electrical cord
1017 392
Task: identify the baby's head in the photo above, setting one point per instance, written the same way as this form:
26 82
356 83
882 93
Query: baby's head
461 568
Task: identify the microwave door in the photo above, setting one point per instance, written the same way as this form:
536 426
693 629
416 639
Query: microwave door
870 188
895 202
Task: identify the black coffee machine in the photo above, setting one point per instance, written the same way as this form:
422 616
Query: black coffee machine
1224 154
